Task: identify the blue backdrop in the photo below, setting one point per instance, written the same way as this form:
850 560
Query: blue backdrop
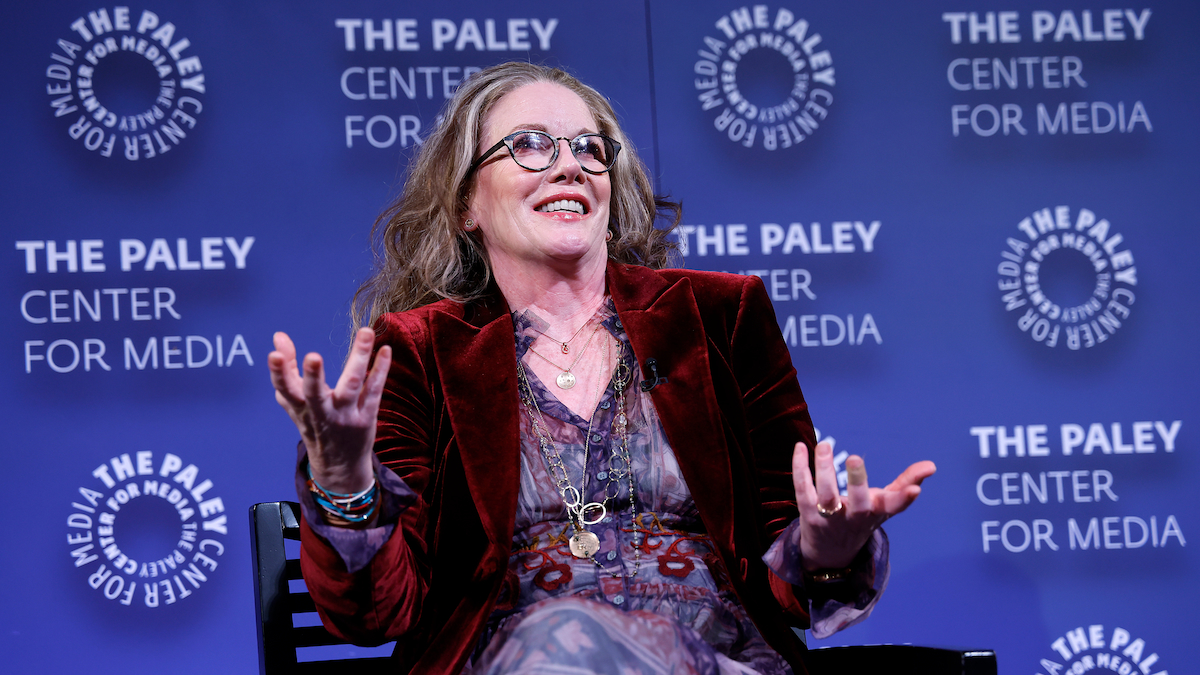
973 219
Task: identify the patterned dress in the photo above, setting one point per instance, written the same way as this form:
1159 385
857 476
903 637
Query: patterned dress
655 597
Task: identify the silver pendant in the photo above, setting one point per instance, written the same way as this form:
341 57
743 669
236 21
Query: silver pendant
584 544
565 380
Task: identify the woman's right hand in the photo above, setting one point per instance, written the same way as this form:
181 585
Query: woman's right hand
337 425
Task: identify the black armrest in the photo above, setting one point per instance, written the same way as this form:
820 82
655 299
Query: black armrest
901 659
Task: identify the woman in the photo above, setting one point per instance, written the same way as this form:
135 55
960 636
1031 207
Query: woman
587 458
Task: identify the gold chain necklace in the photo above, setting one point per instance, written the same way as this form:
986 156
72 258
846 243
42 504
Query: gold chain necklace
565 349
566 379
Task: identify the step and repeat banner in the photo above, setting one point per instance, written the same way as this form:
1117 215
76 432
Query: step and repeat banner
973 219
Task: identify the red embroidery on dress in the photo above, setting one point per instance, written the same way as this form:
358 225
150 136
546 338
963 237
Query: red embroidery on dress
550 574
546 568
654 531
542 580
673 564
676 561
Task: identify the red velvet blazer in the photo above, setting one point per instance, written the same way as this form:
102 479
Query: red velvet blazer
731 409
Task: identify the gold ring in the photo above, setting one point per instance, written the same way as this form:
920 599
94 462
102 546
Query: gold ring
827 512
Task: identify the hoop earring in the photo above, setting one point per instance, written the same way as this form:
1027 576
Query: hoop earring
469 225
608 235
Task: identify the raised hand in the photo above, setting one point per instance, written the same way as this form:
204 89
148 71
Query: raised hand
834 528
338 424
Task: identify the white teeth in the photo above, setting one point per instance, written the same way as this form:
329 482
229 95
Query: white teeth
562 205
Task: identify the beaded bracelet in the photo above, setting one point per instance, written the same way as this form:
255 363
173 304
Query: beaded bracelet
355 508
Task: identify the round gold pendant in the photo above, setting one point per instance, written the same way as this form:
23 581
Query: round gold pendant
565 380
584 544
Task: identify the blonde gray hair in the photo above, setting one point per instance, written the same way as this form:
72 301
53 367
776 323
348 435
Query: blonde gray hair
422 252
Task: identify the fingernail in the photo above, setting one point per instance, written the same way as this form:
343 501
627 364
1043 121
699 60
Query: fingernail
856 473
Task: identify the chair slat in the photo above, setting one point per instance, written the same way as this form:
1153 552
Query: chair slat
314 636
378 665
301 602
291 569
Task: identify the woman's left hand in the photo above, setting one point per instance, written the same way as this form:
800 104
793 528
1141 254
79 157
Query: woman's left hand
833 528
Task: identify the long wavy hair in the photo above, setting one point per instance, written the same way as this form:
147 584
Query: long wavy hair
422 252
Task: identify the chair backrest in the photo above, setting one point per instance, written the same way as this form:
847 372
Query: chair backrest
280 634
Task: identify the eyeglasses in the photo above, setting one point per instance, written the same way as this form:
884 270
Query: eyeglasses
538 150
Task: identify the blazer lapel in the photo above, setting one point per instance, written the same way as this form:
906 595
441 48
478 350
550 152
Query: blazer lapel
664 323
476 358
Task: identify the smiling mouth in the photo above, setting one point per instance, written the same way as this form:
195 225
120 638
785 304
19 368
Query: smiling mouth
563 205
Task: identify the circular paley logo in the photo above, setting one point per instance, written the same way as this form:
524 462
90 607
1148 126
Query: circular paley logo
125 85
149 531
1068 277
1097 647
765 77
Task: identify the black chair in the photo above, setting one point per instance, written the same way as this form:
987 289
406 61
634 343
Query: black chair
278 639
277 604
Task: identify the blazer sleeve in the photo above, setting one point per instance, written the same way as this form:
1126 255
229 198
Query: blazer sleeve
379 599
777 418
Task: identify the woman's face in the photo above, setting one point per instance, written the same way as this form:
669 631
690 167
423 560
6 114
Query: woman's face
557 217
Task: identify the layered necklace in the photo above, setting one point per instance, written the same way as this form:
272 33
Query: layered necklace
583 542
564 345
566 379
